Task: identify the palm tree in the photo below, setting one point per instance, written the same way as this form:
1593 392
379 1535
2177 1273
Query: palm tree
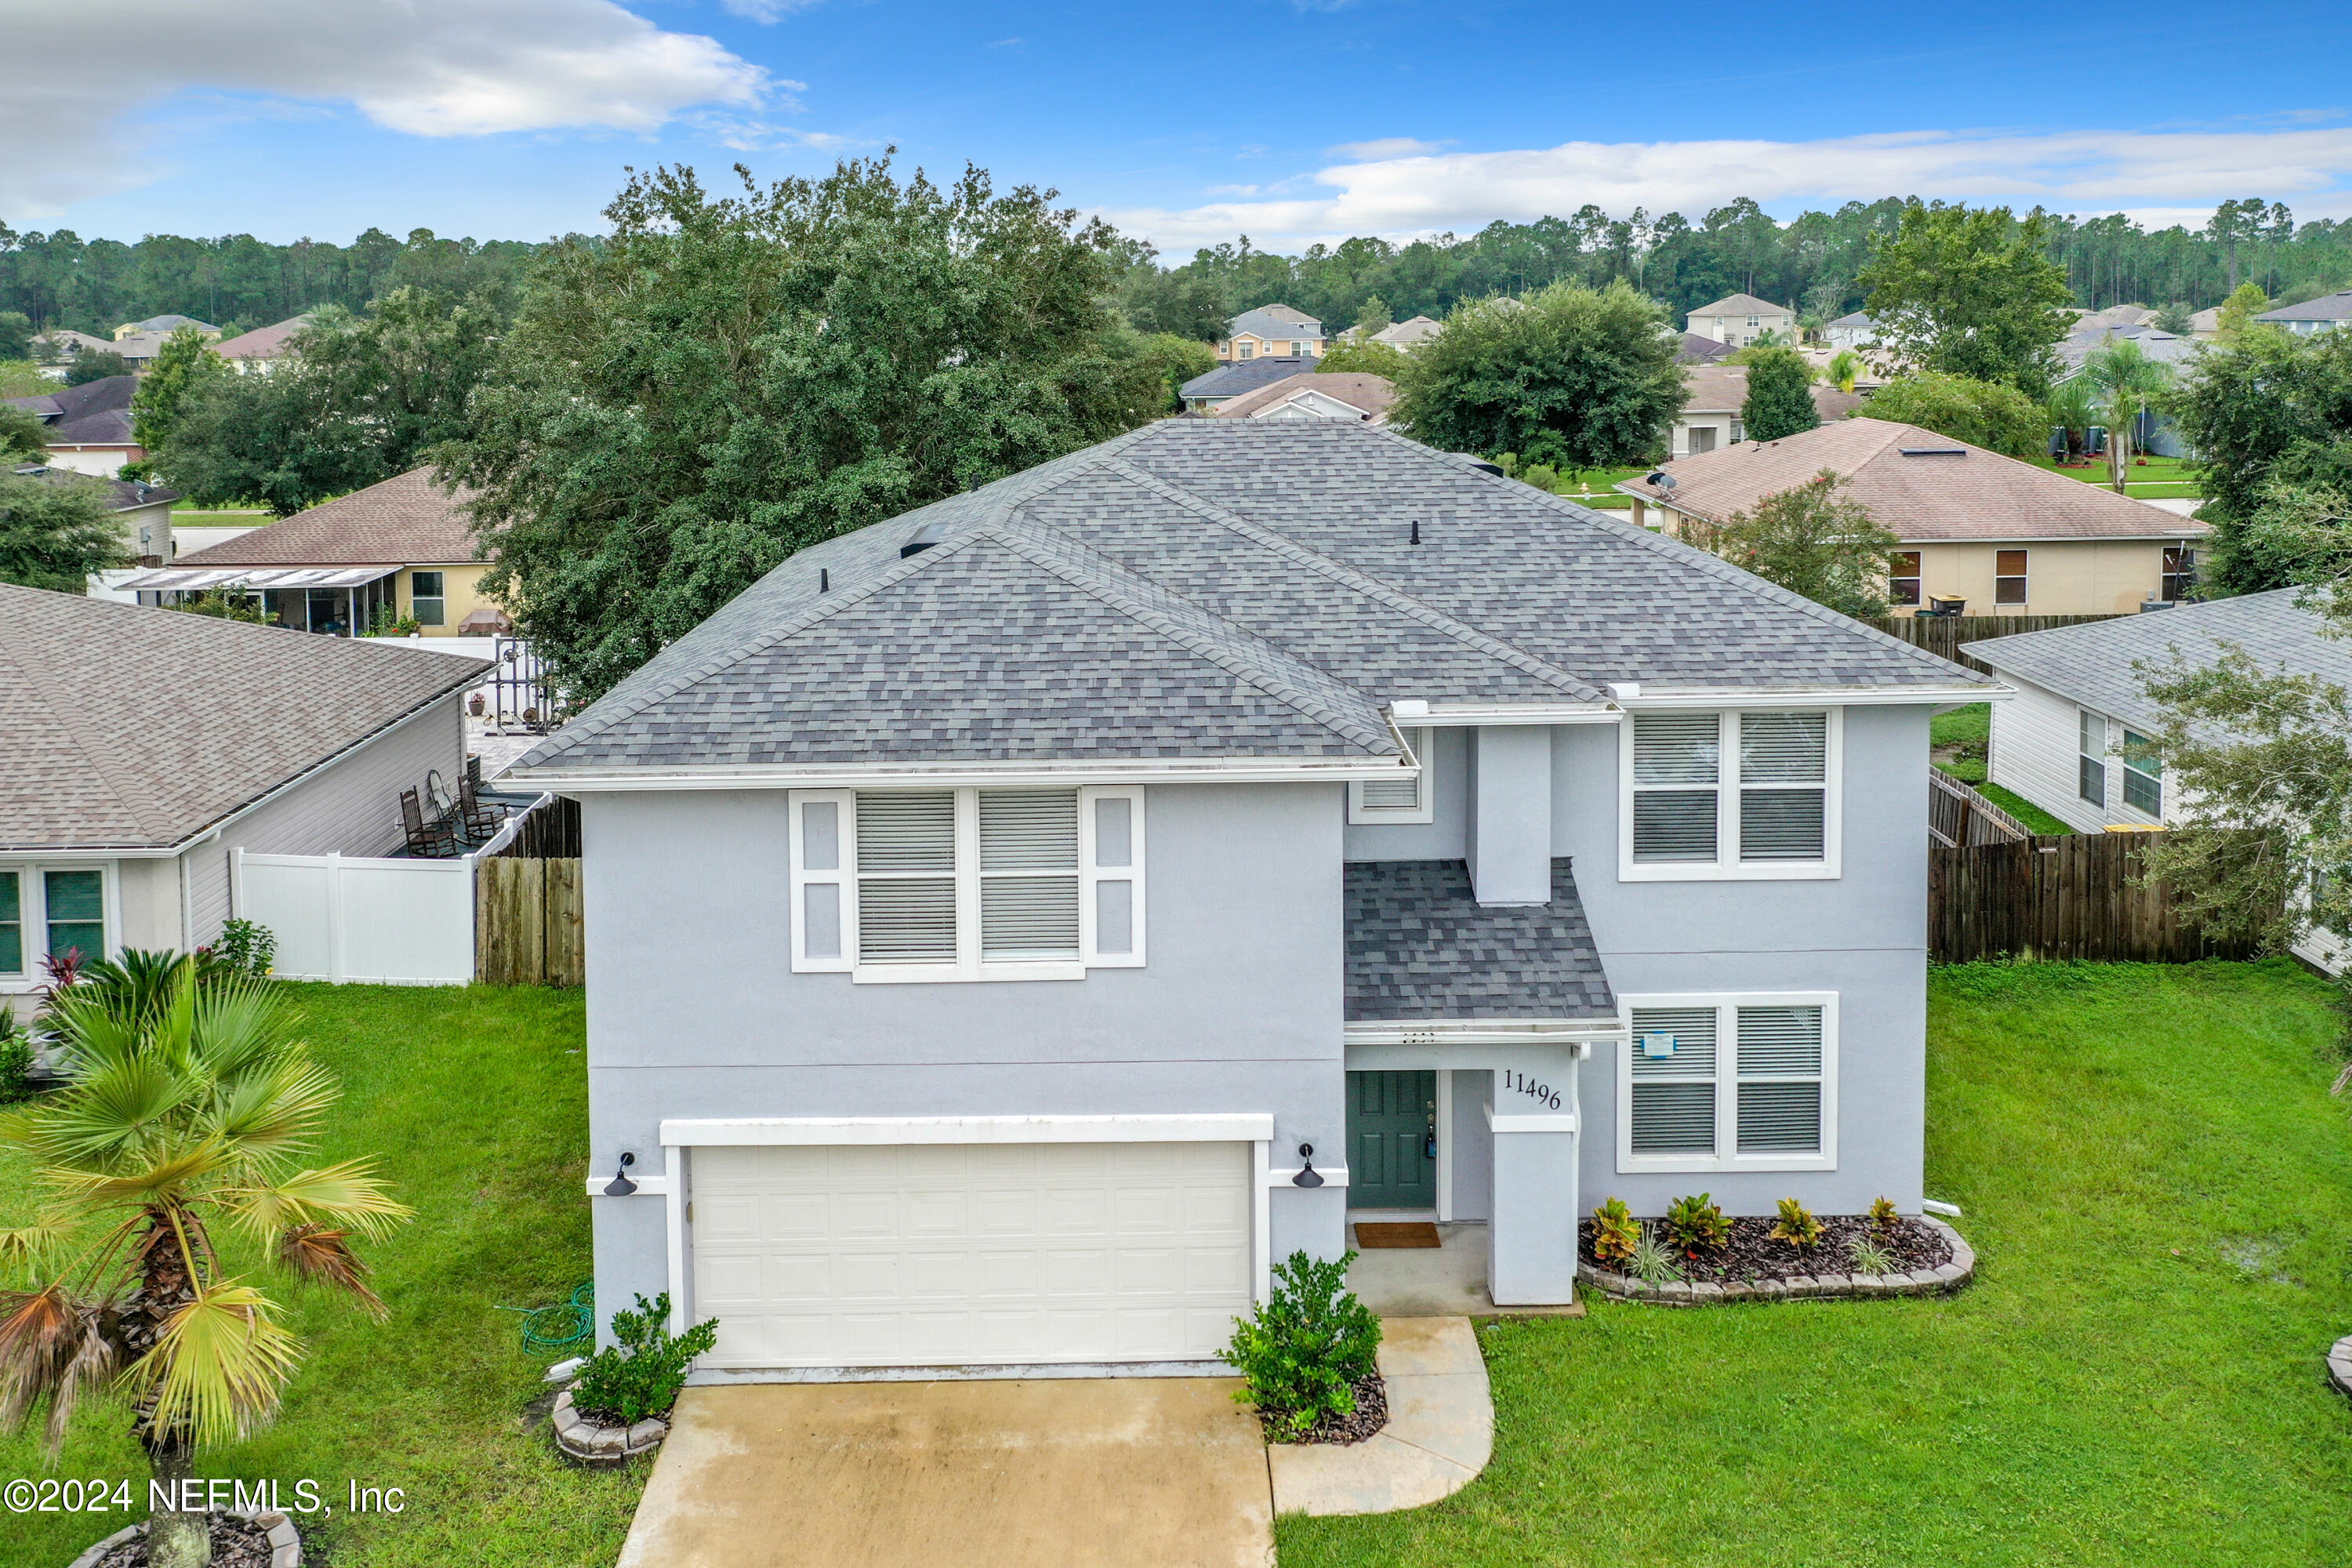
1843 370
179 1135
2124 378
2072 407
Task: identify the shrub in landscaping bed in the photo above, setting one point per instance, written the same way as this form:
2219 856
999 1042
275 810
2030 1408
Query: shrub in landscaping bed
639 1377
1752 1250
1306 1356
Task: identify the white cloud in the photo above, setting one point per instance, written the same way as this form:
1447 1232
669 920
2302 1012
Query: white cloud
1386 147
428 68
766 11
1421 192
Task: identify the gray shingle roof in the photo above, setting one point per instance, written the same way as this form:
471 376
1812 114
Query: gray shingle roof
1419 945
2336 307
1211 588
95 414
2092 663
130 727
1245 375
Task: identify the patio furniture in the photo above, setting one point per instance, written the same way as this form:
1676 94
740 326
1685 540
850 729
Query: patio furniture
432 840
482 821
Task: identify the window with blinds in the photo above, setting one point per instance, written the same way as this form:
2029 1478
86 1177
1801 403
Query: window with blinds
2091 758
966 883
1402 799
2143 775
1721 790
1711 1083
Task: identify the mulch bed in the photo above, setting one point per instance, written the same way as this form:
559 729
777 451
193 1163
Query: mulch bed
237 1544
1752 1254
1371 1415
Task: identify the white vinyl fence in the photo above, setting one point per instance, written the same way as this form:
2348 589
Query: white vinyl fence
341 918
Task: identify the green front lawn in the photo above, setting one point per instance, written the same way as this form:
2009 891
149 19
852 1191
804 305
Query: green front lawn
477 1101
2160 1190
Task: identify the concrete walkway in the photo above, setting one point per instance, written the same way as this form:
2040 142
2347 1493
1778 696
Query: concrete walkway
1448 1280
1057 1473
1439 1434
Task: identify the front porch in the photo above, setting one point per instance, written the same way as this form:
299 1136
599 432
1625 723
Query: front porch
1467 1026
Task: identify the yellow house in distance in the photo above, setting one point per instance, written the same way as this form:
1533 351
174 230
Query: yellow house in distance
1272 332
394 550
1980 533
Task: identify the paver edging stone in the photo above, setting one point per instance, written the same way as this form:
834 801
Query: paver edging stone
1938 1281
285 1542
2339 1365
586 1441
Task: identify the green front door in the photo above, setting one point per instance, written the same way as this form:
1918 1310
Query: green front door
1392 1119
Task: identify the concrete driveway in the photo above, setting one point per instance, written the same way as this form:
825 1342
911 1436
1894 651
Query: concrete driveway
1067 1472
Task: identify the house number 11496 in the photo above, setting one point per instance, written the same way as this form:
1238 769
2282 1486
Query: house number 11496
1542 1093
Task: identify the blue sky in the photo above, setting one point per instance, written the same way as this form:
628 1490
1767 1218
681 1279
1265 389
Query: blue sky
1290 120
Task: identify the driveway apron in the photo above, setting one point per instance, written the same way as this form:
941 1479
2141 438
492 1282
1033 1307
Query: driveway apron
1068 1472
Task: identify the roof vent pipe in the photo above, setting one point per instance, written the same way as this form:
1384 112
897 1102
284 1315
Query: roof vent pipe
1416 530
824 580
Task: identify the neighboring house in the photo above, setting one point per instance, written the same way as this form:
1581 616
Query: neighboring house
1272 330
1711 419
87 428
139 349
1206 393
1409 335
1354 395
1740 319
399 548
2324 314
59 344
2206 323
2002 536
2074 741
144 746
164 326
142 511
1697 349
2157 435
1858 331
261 350
991 914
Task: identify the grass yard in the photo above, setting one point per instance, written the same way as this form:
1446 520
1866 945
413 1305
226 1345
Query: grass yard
2159 1191
477 1101
1960 743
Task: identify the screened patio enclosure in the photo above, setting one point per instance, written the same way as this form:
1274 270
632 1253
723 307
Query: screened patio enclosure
336 600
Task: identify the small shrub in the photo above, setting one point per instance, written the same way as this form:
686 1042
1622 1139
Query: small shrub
1696 1224
1614 1234
1885 1220
1301 1352
1652 1262
641 1376
1867 1255
15 1060
1797 1226
247 948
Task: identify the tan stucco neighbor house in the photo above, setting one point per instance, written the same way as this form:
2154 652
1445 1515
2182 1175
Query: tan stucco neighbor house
401 546
1740 319
1356 396
1711 416
1999 536
1272 330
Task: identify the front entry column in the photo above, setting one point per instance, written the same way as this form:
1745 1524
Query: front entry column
1531 1239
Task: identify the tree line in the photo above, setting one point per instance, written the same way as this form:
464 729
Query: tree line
1813 263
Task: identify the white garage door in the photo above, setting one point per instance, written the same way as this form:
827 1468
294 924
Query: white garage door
961 1254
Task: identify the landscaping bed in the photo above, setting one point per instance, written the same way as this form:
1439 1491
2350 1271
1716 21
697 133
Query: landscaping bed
1752 1254
1371 1414
239 1540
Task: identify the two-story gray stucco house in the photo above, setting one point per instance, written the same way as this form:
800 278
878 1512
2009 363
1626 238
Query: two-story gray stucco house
987 912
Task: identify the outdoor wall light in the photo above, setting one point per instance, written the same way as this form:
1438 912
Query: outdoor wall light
620 1187
1307 1176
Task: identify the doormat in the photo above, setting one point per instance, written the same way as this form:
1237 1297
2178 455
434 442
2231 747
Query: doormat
1373 1234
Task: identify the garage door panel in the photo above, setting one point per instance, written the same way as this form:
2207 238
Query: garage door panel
812 1256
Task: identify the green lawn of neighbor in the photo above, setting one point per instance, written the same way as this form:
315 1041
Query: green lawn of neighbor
476 1101
2159 1191
1968 731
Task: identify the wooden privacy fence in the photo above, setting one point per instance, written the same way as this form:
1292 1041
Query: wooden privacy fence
1943 635
1959 814
2058 895
527 922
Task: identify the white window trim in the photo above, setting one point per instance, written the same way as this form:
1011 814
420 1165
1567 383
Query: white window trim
1728 867
33 911
1727 1084
2108 728
1420 752
2124 801
967 965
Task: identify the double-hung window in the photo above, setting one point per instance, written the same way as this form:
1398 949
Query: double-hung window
1747 794
428 598
1903 577
2143 776
2091 761
1728 1083
1403 799
44 913
2008 576
967 884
